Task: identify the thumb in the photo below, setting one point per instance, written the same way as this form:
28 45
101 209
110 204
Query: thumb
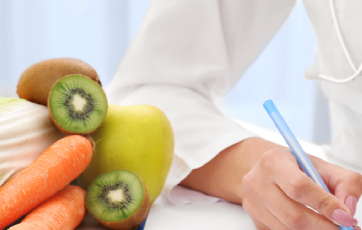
345 184
351 203
349 189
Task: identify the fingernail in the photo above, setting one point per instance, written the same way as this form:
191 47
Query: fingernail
351 203
343 218
356 228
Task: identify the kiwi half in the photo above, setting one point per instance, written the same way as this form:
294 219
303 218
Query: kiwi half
77 105
118 200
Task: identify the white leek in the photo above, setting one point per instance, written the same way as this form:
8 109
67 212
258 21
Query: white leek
26 130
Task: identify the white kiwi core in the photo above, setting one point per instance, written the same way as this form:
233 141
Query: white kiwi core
78 102
116 195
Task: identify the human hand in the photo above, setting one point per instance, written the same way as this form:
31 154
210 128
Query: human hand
276 193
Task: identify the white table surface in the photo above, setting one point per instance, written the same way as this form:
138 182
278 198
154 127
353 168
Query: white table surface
221 215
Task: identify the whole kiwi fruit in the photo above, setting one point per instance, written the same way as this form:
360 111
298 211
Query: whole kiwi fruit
36 81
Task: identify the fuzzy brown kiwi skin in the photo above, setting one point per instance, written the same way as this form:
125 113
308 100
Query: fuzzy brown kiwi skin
36 81
133 221
57 124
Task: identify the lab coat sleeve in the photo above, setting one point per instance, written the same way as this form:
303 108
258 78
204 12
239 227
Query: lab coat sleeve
186 55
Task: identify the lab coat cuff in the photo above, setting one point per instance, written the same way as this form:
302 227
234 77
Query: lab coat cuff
182 167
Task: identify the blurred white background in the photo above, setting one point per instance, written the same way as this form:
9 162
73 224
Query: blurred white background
99 32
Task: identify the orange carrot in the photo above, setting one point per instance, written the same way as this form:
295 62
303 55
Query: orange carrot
56 167
64 211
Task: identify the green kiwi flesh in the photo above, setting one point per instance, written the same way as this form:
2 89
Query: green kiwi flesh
77 104
118 199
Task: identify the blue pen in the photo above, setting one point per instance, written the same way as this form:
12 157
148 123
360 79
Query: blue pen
142 226
295 147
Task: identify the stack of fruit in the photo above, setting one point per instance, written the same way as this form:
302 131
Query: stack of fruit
61 129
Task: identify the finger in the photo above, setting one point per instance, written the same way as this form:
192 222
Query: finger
255 217
262 218
260 226
302 189
299 187
348 190
351 203
293 214
346 185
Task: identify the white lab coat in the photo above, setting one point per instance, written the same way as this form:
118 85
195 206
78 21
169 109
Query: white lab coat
345 99
186 55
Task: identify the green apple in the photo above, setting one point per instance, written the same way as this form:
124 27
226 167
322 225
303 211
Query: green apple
138 138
